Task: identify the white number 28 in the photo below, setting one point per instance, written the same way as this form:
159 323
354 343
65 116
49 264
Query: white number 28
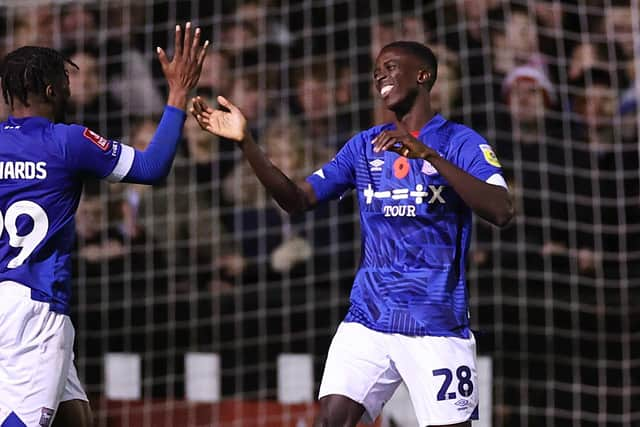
29 241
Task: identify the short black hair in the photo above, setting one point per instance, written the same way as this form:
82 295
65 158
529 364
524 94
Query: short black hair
595 76
422 53
29 70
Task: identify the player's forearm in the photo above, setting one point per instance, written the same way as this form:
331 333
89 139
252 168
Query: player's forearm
285 192
154 164
491 202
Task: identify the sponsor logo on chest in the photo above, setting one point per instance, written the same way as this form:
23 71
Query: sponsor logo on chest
429 194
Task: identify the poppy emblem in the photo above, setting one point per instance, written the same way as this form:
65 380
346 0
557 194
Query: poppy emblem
401 167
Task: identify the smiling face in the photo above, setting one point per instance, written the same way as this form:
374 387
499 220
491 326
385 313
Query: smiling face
398 77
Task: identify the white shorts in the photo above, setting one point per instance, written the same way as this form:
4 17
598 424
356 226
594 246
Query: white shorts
36 358
440 373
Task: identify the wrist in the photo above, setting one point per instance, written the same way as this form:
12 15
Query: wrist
178 98
430 155
246 140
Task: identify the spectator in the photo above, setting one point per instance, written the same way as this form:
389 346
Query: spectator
606 55
246 87
185 210
215 72
127 71
530 142
385 29
602 151
29 26
464 31
251 26
288 262
91 103
315 95
514 37
595 107
99 255
618 24
445 94
128 58
78 24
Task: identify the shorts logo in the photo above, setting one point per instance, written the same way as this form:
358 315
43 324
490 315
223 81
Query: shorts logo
462 402
401 167
100 141
46 417
489 155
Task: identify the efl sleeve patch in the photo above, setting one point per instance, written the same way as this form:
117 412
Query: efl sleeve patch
489 155
100 141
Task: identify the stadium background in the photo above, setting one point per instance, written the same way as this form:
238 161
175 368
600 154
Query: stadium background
206 264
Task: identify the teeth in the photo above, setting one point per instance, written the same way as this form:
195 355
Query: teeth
385 90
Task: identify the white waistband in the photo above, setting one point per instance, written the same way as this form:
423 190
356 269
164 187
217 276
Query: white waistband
14 288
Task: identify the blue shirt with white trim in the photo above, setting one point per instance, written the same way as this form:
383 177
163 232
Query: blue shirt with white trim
415 229
42 166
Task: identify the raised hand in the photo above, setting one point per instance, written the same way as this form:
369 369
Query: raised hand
230 124
183 71
402 142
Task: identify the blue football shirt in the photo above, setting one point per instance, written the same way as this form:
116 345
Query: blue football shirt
415 229
42 166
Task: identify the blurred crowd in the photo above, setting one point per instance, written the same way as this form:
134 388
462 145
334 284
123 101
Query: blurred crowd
207 262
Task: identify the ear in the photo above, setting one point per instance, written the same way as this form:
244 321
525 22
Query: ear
423 76
49 92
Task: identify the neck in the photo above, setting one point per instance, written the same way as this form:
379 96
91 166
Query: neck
418 115
35 109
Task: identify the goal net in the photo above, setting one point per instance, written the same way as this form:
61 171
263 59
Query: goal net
199 302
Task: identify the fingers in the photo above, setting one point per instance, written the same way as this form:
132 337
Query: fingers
386 140
227 104
186 43
178 42
202 122
201 111
195 45
203 53
200 105
188 48
196 104
162 57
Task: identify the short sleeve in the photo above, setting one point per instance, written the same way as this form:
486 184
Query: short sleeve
337 176
91 153
473 154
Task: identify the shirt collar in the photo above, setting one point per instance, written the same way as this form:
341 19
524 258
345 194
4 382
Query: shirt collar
435 122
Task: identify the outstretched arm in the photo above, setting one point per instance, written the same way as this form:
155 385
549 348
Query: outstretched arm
182 74
489 201
232 124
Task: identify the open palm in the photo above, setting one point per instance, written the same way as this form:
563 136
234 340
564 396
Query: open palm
230 124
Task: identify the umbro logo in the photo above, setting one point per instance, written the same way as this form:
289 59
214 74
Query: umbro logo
376 165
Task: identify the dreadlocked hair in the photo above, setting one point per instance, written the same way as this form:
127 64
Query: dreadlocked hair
29 70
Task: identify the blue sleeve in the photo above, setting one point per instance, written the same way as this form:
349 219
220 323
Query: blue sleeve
338 175
473 154
88 152
154 163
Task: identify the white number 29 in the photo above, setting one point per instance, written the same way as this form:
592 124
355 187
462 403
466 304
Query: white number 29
31 240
